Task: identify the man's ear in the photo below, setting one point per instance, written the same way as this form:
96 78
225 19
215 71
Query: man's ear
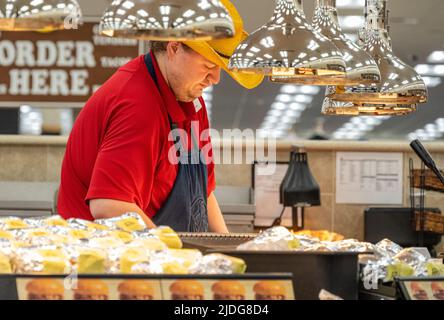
172 48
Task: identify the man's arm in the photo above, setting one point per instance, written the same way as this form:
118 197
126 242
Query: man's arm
215 217
107 208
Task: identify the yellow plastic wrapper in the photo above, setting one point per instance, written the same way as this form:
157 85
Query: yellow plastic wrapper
79 234
126 237
398 269
238 265
174 267
435 269
168 236
44 222
56 222
12 223
6 235
91 261
152 244
293 243
5 264
131 257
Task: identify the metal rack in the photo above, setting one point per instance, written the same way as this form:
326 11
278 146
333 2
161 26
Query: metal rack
418 210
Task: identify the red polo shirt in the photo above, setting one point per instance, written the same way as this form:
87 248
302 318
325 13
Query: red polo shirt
118 148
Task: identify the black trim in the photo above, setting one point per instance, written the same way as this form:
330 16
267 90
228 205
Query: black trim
222 55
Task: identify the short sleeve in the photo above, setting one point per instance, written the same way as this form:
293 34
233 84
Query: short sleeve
126 162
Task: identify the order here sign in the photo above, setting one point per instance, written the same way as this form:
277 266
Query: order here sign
65 66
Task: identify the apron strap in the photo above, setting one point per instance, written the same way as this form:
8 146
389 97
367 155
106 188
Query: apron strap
173 126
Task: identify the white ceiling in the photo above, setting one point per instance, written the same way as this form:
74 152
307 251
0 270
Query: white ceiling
416 30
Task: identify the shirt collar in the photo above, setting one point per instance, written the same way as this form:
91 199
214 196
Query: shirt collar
178 111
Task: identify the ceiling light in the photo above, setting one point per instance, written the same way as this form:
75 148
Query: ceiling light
172 20
289 89
278 106
350 4
297 106
432 82
438 70
283 98
351 22
310 90
424 69
301 98
436 57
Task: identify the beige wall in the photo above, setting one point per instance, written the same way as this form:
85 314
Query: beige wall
39 159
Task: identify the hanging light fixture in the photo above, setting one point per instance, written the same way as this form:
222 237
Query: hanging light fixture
361 68
38 15
167 20
288 50
400 89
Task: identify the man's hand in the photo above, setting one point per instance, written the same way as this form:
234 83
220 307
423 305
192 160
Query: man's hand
215 217
107 208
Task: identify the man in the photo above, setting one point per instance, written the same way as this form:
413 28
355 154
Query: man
119 155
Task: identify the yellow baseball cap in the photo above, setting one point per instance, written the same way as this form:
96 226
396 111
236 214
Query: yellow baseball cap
220 51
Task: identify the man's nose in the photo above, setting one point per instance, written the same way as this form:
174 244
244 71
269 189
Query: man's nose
214 76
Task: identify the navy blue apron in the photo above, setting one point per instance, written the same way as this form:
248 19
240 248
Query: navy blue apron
185 209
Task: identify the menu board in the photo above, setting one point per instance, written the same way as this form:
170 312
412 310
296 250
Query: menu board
421 288
184 288
369 178
64 67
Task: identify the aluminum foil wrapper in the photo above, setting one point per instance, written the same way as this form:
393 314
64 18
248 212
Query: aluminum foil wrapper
67 235
212 264
325 295
41 260
349 245
367 258
6 247
414 259
306 241
81 224
410 256
147 268
43 222
157 264
34 237
353 245
387 248
273 239
116 257
106 242
129 222
144 235
322 246
376 270
171 262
